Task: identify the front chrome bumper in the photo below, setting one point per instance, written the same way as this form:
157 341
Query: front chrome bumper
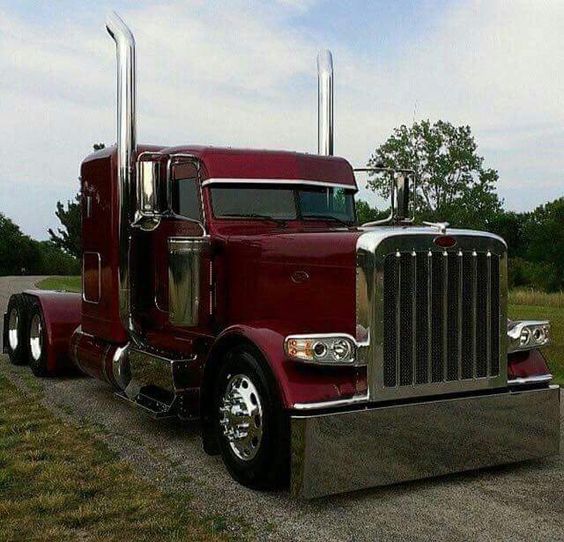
344 451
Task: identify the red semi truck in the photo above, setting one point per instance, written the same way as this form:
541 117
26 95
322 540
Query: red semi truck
236 286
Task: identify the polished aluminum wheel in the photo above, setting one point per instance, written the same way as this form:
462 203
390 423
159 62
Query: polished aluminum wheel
13 321
241 417
36 337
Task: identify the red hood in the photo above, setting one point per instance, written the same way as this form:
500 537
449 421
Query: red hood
303 280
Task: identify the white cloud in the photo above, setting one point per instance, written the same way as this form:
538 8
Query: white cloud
231 73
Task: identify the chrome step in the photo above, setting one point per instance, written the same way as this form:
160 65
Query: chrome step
151 406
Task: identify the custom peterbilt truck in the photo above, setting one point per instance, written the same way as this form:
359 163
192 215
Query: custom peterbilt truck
236 286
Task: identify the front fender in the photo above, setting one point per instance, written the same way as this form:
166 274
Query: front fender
298 383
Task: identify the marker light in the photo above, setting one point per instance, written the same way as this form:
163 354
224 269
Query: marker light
527 335
321 349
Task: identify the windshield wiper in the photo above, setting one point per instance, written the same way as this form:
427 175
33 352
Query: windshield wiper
328 217
260 217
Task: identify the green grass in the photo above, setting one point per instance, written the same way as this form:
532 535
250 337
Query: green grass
533 305
525 296
58 482
61 284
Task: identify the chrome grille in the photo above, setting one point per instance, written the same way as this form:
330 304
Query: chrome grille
440 317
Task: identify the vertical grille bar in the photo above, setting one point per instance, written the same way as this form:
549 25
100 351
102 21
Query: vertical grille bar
429 314
414 318
398 317
445 313
489 314
437 342
494 315
407 294
390 335
459 314
474 308
422 329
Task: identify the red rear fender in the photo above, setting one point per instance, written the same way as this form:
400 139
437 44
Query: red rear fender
61 313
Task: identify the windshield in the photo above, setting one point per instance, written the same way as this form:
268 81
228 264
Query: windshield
284 203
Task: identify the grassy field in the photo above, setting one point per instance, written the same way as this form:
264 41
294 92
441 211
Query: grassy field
58 482
62 284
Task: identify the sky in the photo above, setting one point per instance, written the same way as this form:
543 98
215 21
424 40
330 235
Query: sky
243 74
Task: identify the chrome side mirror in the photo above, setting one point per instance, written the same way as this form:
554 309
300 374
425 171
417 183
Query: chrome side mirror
149 191
400 196
402 183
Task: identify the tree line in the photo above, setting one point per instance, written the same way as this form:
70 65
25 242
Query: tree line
22 255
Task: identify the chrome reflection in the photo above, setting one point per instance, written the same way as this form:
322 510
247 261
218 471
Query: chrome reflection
241 417
36 337
184 279
13 321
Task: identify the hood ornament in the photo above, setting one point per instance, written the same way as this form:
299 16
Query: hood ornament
441 226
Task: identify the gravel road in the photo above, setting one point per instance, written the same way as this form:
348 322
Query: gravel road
523 502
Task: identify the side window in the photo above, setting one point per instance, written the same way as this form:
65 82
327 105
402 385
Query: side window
186 192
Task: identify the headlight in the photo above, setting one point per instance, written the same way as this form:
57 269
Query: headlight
321 349
527 335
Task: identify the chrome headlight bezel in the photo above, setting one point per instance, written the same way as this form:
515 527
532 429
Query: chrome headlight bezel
329 349
524 335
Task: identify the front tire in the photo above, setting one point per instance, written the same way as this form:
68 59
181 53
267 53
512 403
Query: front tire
250 424
37 342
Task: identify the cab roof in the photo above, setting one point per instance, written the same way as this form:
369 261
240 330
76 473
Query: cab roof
250 165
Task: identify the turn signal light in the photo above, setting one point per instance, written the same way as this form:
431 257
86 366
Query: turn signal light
321 349
527 335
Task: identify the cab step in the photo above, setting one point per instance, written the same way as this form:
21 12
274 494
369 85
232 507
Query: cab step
151 406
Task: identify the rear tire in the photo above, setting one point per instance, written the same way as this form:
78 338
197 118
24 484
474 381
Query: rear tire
37 342
250 424
16 339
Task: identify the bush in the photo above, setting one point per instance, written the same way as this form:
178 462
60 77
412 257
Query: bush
543 276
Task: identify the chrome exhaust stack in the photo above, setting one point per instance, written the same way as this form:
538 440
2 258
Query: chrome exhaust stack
126 152
325 103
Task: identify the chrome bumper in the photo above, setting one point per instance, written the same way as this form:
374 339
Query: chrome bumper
345 451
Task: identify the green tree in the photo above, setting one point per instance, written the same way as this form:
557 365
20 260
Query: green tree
366 213
451 181
544 234
69 237
18 252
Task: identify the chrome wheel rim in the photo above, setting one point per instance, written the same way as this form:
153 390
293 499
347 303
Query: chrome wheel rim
241 417
36 337
13 321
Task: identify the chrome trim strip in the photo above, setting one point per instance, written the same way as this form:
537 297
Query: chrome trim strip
537 379
332 404
327 184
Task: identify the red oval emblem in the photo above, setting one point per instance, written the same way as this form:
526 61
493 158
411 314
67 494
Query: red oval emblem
445 241
300 277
